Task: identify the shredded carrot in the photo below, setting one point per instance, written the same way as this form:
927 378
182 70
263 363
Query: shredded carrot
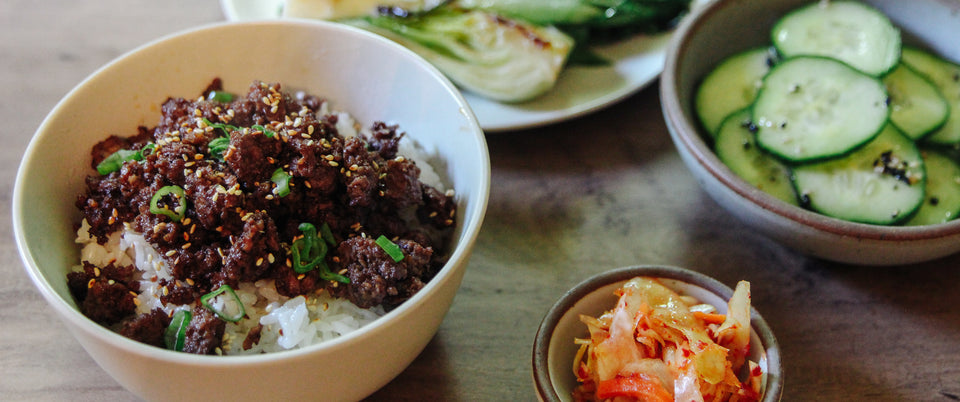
710 318
639 386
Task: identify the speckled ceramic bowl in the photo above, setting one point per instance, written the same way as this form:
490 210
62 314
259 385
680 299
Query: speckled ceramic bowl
725 27
363 74
554 349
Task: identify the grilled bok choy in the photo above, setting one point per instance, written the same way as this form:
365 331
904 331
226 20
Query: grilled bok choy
505 50
496 57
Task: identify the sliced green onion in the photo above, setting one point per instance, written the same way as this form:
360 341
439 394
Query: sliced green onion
327 235
392 249
218 146
282 180
326 275
267 132
225 303
226 128
309 252
220 96
113 162
176 333
178 212
148 149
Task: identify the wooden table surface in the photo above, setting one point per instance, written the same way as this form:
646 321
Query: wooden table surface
568 200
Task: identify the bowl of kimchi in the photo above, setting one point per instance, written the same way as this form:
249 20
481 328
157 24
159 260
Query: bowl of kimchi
656 333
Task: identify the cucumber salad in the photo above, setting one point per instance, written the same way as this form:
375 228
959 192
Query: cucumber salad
838 116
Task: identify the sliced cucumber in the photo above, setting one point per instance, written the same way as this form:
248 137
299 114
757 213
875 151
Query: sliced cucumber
881 183
812 108
852 32
731 86
945 76
942 202
736 147
917 107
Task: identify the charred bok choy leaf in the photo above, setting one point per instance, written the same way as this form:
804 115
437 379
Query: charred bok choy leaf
590 22
496 57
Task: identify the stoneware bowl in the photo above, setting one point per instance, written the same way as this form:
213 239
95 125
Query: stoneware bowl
360 73
554 349
724 27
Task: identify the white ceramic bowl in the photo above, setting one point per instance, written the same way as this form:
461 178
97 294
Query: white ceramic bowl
554 350
725 27
361 73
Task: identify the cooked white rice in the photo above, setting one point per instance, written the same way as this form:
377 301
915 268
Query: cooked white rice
302 321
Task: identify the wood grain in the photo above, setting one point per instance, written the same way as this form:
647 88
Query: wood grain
567 200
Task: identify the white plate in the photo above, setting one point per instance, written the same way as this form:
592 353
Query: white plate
580 90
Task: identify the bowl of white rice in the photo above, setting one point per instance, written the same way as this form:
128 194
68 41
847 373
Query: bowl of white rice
314 347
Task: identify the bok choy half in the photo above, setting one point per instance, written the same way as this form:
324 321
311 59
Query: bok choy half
514 50
495 57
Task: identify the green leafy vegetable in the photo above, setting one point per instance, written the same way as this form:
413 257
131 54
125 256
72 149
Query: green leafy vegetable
225 303
176 333
590 22
497 57
391 248
178 197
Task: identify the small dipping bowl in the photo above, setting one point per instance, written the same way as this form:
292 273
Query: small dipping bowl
554 349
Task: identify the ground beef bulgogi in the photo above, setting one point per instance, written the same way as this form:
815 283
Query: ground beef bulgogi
221 189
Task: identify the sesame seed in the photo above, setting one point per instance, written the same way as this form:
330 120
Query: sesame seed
190 282
186 246
90 283
171 253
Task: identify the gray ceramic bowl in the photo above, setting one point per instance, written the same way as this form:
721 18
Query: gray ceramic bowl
725 27
554 349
